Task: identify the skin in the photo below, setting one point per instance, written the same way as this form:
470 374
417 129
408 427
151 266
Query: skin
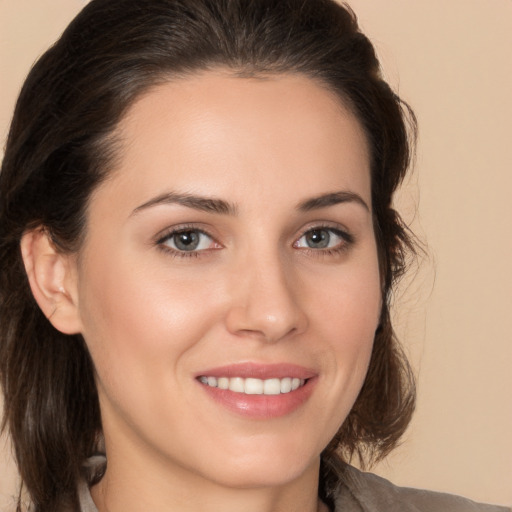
255 291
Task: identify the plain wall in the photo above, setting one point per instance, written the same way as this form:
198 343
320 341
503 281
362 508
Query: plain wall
452 61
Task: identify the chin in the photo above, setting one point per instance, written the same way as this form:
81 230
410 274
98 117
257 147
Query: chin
265 476
264 466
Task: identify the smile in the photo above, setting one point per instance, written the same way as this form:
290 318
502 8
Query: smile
259 391
254 386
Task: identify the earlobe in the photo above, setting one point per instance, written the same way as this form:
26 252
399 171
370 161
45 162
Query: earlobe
52 277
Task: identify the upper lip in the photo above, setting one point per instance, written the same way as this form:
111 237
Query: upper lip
259 371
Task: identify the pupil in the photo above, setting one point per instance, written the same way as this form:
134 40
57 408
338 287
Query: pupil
318 238
186 240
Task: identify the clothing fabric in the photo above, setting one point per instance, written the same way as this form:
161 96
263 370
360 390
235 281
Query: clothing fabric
366 492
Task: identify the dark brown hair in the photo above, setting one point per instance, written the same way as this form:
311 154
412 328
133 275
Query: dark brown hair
61 146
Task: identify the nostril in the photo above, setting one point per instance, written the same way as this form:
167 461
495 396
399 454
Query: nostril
264 305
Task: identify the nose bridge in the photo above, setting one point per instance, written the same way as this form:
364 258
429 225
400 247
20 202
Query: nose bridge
265 301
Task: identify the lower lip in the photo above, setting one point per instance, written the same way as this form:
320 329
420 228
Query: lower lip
261 406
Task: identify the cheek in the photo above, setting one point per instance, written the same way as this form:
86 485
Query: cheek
344 317
349 302
139 323
346 314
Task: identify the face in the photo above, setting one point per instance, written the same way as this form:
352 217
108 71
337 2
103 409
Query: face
228 286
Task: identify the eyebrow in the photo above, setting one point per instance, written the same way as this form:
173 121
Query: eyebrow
222 207
206 204
331 199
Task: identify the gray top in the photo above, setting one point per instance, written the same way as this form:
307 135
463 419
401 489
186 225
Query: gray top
365 492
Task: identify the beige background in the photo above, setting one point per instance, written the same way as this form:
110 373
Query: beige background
452 60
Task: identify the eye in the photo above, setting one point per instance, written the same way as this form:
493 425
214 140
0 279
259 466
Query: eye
187 240
323 238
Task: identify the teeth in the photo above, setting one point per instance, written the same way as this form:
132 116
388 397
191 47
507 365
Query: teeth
236 384
272 387
223 383
286 385
251 386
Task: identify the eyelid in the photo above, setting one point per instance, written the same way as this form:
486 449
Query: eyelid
337 229
340 231
166 234
179 228
328 226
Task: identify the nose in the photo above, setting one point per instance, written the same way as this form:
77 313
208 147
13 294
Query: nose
265 301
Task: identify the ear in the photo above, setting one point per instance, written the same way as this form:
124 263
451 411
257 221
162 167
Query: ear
52 275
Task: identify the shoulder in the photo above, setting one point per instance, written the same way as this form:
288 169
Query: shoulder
366 492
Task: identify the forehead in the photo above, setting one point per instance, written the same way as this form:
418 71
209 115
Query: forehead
216 133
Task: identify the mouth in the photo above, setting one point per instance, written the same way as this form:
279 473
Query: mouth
259 391
254 386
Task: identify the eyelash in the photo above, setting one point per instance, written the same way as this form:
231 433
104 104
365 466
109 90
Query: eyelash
176 231
347 241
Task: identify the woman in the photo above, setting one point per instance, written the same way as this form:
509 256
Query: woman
197 252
